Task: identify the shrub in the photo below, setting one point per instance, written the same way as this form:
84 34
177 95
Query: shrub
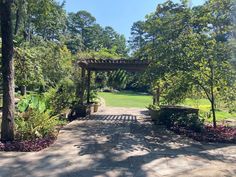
62 96
179 119
190 122
35 124
94 96
153 107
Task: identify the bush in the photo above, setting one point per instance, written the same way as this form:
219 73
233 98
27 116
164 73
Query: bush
153 107
34 124
181 119
62 96
190 122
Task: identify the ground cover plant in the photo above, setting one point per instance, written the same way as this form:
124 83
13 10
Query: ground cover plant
220 134
36 125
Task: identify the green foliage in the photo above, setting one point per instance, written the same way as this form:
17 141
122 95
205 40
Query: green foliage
62 96
103 53
86 35
56 62
42 66
32 102
28 70
43 18
153 107
178 119
94 96
118 79
137 40
175 88
35 124
53 101
192 45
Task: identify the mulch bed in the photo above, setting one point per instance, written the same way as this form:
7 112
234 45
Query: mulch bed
31 145
28 145
220 134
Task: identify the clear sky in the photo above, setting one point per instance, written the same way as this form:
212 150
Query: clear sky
119 14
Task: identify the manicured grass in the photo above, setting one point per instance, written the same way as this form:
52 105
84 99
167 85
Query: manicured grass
204 106
138 100
126 99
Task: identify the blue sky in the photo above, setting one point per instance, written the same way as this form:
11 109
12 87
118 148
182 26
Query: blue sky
119 14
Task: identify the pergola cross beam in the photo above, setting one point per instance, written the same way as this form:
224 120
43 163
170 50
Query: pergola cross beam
111 64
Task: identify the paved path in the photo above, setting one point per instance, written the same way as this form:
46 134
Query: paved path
121 142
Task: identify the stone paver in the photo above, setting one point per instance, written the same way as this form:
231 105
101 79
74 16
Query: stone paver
121 142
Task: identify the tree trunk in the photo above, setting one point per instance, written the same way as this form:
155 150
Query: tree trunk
17 20
158 94
23 90
7 128
19 5
213 96
213 113
213 105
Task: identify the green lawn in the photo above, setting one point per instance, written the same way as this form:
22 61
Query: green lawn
204 106
137 100
126 99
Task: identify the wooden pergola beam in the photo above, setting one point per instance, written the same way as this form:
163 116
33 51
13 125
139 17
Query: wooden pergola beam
110 65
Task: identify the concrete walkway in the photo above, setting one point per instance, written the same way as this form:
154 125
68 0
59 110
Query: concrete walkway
121 142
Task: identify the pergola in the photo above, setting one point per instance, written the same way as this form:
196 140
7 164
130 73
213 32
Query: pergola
90 65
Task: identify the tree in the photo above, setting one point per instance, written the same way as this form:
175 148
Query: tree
137 40
7 128
209 67
93 39
35 22
191 43
214 65
85 34
111 39
28 71
44 18
82 24
157 40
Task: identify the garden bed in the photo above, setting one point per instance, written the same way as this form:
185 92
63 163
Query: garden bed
220 134
185 121
28 145
34 145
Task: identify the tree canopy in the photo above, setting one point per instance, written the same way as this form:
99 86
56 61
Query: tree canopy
190 46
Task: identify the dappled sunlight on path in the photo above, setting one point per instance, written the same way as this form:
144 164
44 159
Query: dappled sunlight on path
121 142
